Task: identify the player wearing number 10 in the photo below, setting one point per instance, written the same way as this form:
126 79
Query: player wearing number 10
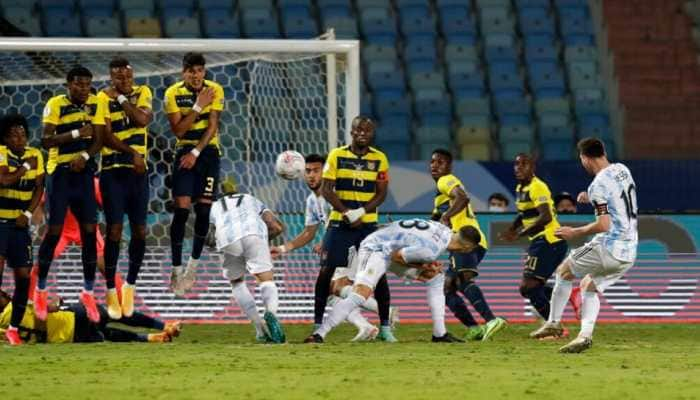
193 106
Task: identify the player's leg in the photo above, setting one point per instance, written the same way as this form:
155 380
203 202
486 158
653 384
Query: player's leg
258 262
458 307
84 206
19 259
334 254
341 287
183 190
114 189
560 295
137 211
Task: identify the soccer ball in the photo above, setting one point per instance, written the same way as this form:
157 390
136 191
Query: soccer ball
290 165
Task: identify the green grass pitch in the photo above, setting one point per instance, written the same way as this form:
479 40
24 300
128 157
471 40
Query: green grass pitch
221 362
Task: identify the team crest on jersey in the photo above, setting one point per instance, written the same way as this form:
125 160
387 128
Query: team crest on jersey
2 158
371 165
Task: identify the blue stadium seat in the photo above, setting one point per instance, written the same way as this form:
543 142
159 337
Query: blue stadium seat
547 83
557 105
556 133
534 53
536 21
391 105
458 23
585 81
259 23
420 50
409 3
396 127
475 106
475 120
524 4
182 27
252 4
102 27
220 24
558 150
496 20
432 134
134 13
465 75
495 54
461 52
345 27
425 150
396 150
417 21
175 12
432 106
97 12
294 3
205 5
590 107
580 53
512 106
44 4
552 119
23 19
378 25
506 85
61 22
299 27
333 11
511 149
515 133
137 4
163 4
427 80
363 4
378 52
385 76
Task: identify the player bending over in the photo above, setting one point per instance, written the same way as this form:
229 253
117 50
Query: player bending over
413 243
243 227
608 256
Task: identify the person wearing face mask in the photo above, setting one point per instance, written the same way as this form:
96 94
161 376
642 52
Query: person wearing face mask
498 202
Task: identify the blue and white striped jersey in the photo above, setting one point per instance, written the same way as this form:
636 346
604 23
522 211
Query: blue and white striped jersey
420 241
613 191
317 210
236 216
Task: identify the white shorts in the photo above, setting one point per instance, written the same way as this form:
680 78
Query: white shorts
250 253
595 260
371 266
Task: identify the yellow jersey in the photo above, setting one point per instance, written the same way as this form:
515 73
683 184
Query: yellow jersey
179 98
123 128
355 178
58 328
445 185
528 198
15 199
60 111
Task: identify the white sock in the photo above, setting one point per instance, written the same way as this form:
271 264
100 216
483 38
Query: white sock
356 318
369 305
560 296
590 307
192 264
436 301
339 313
268 292
246 302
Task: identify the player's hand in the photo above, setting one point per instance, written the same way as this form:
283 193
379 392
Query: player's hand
446 221
78 164
509 235
32 161
187 161
583 198
565 232
85 131
112 92
317 248
276 252
355 214
22 221
205 97
139 164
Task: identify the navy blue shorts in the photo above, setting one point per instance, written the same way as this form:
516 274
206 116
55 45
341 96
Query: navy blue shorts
463 262
338 239
200 181
76 190
15 245
124 192
543 258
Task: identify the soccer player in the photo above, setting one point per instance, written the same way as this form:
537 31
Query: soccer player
536 220
355 183
69 324
73 135
453 209
608 256
243 227
123 178
21 187
193 106
413 243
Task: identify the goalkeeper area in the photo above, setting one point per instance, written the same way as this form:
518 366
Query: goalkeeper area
219 361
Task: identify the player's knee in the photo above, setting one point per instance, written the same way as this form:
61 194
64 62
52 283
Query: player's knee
564 271
55 230
183 202
22 273
138 232
87 229
114 232
266 276
587 284
528 287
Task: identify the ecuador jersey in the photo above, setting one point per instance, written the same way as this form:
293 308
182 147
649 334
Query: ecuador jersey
445 185
15 199
356 178
123 128
60 111
59 326
528 198
179 98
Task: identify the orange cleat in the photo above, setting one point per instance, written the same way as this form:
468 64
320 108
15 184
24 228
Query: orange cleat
575 300
173 328
90 305
162 337
41 304
12 336
118 283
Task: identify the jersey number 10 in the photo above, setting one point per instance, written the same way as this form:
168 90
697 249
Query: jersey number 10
628 198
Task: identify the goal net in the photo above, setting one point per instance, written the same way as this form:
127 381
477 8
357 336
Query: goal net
279 95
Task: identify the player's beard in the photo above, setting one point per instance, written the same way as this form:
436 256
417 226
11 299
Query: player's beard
315 187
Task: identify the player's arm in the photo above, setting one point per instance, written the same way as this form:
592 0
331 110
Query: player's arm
600 225
328 193
544 217
379 196
460 201
275 227
180 124
511 234
23 219
413 257
142 116
50 139
8 178
302 239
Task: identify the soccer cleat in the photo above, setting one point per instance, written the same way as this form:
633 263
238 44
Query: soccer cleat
492 327
394 317
128 300
548 329
578 345
189 278
162 337
90 305
314 338
12 336
366 333
119 283
173 328
275 328
41 306
474 333
575 300
113 308
386 335
446 338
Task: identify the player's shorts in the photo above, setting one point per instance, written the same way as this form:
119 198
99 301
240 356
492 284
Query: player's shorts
15 245
251 253
202 180
124 192
337 241
466 262
371 266
595 260
76 190
543 258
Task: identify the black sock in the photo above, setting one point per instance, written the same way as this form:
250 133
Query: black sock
201 228
383 297
19 301
455 303
475 296
89 257
538 299
121 335
48 246
142 321
111 260
321 292
177 234
137 250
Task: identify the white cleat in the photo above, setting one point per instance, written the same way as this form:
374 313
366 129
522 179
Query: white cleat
394 316
175 276
366 333
189 278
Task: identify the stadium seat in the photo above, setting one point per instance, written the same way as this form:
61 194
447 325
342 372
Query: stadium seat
386 76
378 25
182 27
432 134
478 106
97 12
473 134
219 24
496 20
511 149
465 76
458 23
460 52
432 107
556 133
205 5
334 11
244 5
559 105
580 53
61 22
364 4
259 23
378 52
506 85
395 128
175 12
386 105
103 27
345 27
421 53
535 53
475 120
557 150
546 83
553 119
23 19
428 80
143 28
136 13
163 4
536 21
399 151
425 149
475 151
297 27
137 4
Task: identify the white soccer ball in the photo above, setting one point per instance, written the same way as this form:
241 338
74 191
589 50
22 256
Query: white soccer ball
290 165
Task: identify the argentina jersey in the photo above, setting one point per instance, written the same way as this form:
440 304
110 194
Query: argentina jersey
613 192
317 210
236 216
421 241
